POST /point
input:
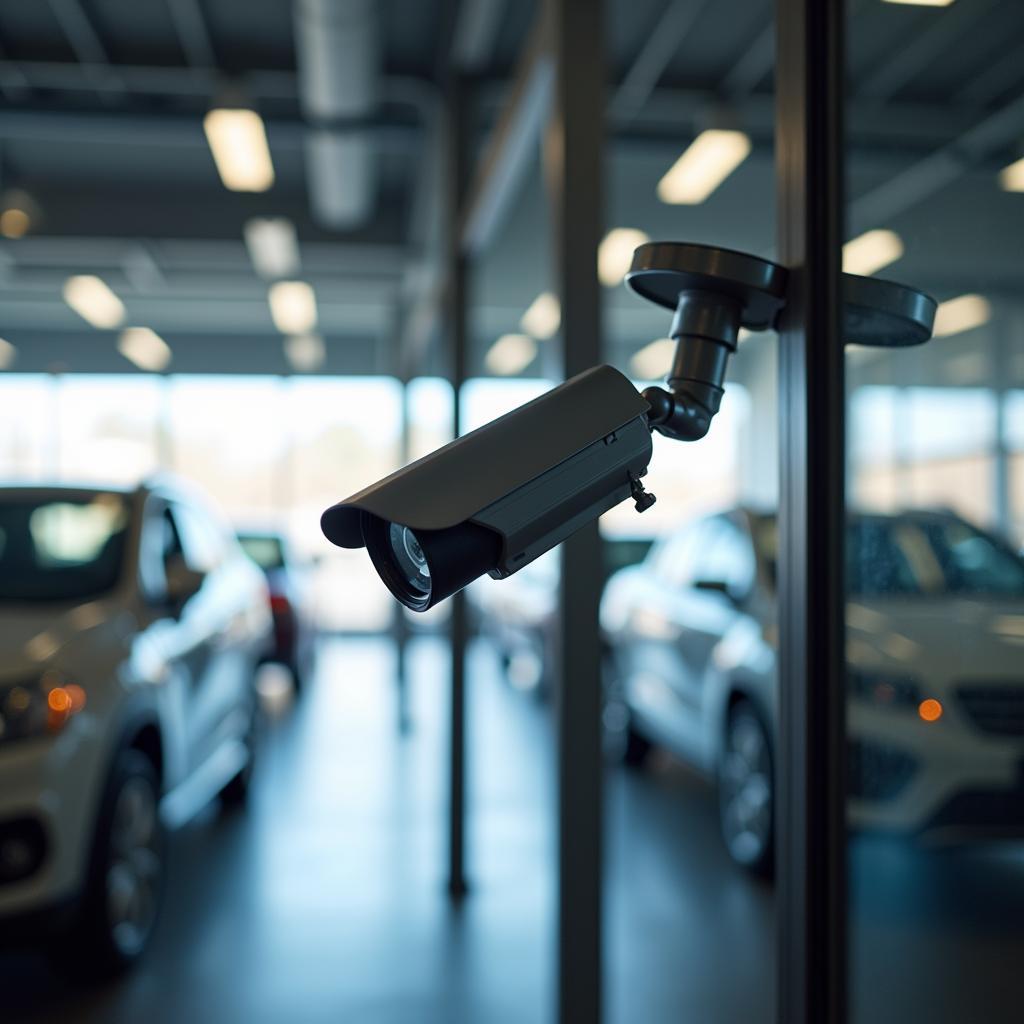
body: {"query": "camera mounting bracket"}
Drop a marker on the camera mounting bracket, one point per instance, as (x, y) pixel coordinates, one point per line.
(714, 292)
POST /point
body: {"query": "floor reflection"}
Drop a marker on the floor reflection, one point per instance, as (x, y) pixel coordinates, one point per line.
(325, 900)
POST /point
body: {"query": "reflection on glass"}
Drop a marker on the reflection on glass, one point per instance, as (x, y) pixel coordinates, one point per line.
(935, 614)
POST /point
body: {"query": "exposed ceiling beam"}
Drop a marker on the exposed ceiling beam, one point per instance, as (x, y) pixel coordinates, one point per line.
(85, 41)
(655, 56)
(200, 256)
(178, 130)
(899, 67)
(753, 64)
(476, 32)
(937, 170)
(512, 146)
(146, 80)
(192, 30)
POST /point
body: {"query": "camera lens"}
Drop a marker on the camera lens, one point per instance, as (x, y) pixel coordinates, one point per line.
(410, 558)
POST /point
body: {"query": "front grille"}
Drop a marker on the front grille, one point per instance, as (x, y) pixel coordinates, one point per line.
(877, 771)
(998, 710)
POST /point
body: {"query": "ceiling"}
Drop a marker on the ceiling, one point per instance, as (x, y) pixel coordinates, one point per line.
(101, 124)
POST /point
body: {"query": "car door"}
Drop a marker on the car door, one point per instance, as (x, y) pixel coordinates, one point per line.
(220, 700)
(654, 665)
(700, 589)
(722, 579)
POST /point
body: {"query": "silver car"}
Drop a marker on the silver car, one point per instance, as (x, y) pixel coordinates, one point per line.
(130, 626)
(935, 627)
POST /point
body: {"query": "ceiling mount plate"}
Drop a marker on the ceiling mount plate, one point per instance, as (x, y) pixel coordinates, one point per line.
(662, 270)
(884, 314)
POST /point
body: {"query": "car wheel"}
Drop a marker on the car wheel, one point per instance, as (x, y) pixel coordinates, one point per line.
(236, 792)
(126, 876)
(298, 677)
(636, 749)
(746, 790)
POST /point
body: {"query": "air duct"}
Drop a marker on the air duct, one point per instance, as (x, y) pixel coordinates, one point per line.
(338, 48)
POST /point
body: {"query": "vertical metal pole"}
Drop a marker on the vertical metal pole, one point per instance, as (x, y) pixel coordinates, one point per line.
(810, 822)
(455, 315)
(400, 625)
(573, 167)
(1001, 485)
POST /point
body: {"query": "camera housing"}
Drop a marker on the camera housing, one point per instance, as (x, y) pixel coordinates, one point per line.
(495, 499)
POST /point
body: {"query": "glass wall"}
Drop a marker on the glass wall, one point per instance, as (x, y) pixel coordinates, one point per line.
(935, 585)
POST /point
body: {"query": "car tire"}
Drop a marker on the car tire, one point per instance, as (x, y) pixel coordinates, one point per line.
(636, 749)
(122, 897)
(746, 790)
(236, 792)
(298, 677)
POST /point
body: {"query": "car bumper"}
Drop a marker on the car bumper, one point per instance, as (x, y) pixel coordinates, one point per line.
(55, 784)
(947, 780)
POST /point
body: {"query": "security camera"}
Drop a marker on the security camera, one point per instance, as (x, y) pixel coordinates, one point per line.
(499, 497)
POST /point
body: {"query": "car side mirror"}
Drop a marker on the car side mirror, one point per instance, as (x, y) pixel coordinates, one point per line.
(719, 587)
(183, 582)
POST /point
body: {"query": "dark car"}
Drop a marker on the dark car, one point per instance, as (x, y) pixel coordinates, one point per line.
(294, 639)
(935, 711)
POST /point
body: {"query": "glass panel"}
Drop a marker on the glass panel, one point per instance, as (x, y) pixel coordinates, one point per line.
(935, 583)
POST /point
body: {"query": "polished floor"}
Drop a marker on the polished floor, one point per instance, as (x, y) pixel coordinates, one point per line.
(325, 900)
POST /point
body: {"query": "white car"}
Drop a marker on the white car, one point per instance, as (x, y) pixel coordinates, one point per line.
(935, 672)
(130, 627)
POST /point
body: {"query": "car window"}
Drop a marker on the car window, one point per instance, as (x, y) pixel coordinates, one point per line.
(61, 548)
(265, 550)
(727, 556)
(201, 542)
(676, 562)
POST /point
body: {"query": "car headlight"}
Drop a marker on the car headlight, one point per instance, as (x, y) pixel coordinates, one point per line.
(40, 706)
(884, 689)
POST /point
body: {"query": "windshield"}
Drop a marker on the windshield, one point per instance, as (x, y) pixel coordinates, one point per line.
(928, 556)
(266, 552)
(60, 548)
(919, 555)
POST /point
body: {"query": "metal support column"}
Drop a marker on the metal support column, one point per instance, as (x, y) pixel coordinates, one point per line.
(1001, 484)
(810, 819)
(573, 169)
(455, 328)
(399, 623)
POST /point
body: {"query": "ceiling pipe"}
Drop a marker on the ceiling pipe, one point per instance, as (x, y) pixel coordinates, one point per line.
(339, 59)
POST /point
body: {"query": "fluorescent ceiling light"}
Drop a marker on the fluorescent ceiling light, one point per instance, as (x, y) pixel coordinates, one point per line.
(145, 348)
(8, 353)
(615, 254)
(1011, 178)
(272, 245)
(511, 354)
(92, 300)
(238, 142)
(293, 307)
(961, 314)
(871, 251)
(920, 3)
(543, 318)
(708, 161)
(305, 352)
(653, 360)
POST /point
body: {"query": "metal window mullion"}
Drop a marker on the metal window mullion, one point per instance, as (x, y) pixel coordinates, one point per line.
(810, 820)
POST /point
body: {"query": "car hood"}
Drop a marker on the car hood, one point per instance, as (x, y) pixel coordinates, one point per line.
(942, 638)
(32, 636)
